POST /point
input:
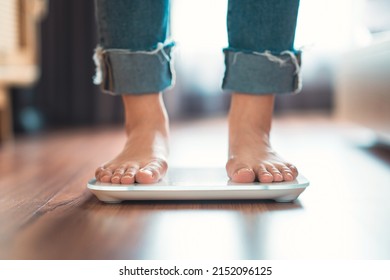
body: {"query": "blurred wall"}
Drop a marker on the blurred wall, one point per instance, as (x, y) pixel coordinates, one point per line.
(65, 95)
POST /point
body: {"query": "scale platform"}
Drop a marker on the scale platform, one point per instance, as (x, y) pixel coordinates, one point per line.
(198, 184)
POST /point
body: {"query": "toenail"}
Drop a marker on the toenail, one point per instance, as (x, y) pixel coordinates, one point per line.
(243, 170)
(147, 172)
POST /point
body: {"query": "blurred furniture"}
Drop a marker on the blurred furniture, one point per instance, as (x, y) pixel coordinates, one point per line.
(363, 87)
(18, 52)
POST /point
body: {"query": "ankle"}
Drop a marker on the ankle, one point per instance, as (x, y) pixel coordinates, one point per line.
(251, 113)
(146, 110)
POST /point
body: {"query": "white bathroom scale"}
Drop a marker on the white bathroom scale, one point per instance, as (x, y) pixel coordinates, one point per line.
(198, 184)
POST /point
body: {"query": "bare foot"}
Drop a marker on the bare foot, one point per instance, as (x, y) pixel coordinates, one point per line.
(251, 157)
(144, 157)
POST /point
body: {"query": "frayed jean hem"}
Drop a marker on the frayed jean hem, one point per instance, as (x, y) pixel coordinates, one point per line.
(121, 71)
(262, 72)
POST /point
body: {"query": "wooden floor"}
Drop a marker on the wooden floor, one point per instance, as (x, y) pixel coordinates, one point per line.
(46, 212)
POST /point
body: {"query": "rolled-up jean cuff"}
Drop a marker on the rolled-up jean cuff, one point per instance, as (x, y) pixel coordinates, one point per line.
(121, 71)
(262, 72)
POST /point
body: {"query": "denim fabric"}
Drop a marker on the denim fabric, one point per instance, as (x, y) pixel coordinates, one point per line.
(135, 55)
(261, 58)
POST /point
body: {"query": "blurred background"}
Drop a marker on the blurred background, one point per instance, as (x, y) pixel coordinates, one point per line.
(46, 65)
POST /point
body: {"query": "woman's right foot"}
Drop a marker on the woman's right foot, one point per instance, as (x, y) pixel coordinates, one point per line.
(144, 156)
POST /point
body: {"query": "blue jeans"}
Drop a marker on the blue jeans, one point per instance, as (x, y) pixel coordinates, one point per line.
(135, 51)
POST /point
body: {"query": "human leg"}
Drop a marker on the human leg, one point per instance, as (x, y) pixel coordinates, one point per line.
(133, 60)
(260, 62)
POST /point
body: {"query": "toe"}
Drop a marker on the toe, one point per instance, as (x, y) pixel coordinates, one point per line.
(117, 175)
(146, 176)
(286, 173)
(263, 175)
(128, 176)
(152, 172)
(98, 172)
(287, 176)
(276, 174)
(105, 175)
(243, 175)
(293, 169)
(239, 172)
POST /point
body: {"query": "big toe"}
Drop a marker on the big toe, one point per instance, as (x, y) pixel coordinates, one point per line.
(152, 172)
(243, 175)
(146, 176)
(105, 176)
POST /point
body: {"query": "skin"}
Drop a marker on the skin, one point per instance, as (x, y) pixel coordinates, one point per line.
(144, 156)
(251, 156)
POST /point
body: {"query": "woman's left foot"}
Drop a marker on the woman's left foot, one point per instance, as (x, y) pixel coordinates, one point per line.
(251, 157)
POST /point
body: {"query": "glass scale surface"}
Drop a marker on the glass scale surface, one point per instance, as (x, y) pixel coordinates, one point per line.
(198, 184)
